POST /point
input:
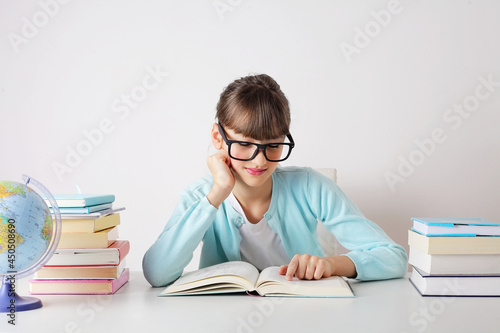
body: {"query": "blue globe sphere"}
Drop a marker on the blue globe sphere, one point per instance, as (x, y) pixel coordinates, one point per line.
(26, 228)
(29, 235)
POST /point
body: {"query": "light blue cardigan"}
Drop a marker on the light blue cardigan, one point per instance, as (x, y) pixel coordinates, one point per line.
(300, 196)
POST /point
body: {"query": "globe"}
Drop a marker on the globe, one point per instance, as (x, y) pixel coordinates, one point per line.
(29, 234)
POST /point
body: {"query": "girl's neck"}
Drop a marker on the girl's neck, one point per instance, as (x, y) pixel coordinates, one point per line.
(255, 201)
(247, 193)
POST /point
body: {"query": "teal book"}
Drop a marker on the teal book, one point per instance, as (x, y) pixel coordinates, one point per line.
(81, 200)
(465, 227)
(84, 210)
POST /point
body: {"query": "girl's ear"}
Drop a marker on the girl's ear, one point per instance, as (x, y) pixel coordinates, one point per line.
(216, 137)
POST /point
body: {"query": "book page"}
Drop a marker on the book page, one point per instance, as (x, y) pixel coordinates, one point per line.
(271, 282)
(270, 274)
(238, 268)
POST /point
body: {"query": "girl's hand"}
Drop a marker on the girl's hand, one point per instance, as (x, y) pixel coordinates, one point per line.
(220, 167)
(305, 266)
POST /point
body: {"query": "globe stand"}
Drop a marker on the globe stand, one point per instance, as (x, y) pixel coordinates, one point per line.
(11, 302)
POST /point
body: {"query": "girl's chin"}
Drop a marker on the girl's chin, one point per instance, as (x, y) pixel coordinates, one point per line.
(253, 180)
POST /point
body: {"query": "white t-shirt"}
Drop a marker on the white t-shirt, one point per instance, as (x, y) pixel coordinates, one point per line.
(260, 245)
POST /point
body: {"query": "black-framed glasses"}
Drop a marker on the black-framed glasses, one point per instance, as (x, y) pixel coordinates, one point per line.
(246, 151)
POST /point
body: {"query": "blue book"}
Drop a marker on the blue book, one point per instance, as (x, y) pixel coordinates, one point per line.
(84, 210)
(81, 200)
(466, 227)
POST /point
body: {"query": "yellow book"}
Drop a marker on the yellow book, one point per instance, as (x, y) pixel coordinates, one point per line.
(454, 244)
(101, 239)
(80, 272)
(90, 225)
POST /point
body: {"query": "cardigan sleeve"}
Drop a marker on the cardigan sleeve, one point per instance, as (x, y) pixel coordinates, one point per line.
(166, 259)
(374, 254)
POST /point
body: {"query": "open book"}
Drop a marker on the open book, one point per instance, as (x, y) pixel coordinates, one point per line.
(239, 276)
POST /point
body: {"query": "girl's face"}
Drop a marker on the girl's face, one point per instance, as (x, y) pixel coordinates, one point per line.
(256, 172)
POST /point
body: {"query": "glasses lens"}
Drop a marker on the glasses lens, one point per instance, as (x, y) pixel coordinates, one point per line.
(277, 152)
(242, 150)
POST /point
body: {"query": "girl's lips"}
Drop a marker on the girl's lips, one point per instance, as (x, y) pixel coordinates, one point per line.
(255, 172)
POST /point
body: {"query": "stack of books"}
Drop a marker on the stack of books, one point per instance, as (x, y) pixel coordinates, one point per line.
(455, 257)
(90, 259)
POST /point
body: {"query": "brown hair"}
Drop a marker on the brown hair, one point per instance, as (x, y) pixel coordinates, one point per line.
(255, 107)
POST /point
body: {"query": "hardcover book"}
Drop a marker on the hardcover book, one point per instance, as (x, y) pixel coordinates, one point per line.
(455, 227)
(457, 264)
(454, 245)
(80, 272)
(112, 255)
(474, 285)
(78, 286)
(94, 215)
(81, 200)
(239, 276)
(85, 210)
(90, 225)
(100, 239)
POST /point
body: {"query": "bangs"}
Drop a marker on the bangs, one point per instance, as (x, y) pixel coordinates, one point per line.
(258, 113)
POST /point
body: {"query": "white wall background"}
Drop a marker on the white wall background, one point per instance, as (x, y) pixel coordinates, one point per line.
(66, 68)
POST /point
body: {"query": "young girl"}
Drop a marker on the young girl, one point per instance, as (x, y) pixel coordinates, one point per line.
(254, 210)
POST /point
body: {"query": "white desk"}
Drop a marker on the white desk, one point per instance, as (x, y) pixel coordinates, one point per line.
(380, 306)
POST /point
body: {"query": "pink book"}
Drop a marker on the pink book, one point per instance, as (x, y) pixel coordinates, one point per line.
(78, 286)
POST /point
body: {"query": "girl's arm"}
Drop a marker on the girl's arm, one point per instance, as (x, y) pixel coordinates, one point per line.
(165, 260)
(374, 255)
